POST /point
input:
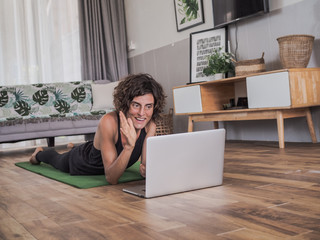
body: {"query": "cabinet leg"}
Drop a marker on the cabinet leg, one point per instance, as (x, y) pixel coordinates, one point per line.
(280, 126)
(190, 124)
(310, 126)
(216, 124)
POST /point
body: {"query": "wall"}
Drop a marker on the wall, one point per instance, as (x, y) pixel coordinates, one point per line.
(151, 24)
(164, 53)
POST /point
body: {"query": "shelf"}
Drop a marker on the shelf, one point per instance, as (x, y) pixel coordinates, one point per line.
(280, 94)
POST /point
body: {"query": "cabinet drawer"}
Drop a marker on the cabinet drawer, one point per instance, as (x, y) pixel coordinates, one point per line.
(187, 99)
(269, 90)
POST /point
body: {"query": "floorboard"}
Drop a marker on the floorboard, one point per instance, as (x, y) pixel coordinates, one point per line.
(267, 193)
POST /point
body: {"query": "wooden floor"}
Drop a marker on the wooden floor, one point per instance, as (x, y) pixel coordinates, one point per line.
(268, 193)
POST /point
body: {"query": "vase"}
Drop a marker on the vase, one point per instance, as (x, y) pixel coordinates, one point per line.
(218, 76)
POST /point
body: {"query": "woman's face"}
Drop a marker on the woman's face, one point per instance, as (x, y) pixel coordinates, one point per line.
(141, 110)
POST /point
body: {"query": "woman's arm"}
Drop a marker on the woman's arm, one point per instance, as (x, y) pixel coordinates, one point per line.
(151, 131)
(105, 140)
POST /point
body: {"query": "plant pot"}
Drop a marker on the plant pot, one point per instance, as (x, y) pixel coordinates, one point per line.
(218, 76)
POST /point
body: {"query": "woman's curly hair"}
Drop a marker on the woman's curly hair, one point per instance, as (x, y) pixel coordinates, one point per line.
(135, 85)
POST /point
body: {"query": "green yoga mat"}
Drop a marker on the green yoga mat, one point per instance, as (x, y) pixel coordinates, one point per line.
(131, 174)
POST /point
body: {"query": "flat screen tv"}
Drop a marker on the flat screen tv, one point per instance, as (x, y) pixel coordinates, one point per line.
(229, 11)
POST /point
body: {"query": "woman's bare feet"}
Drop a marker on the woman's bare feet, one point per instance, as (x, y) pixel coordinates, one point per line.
(70, 146)
(33, 159)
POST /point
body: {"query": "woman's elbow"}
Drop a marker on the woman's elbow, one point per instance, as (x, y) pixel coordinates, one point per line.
(111, 180)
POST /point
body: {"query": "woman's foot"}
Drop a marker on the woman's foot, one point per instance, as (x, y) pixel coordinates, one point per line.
(33, 159)
(70, 146)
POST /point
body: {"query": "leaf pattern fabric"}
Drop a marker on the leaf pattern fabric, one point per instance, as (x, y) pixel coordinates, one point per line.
(3, 98)
(41, 97)
(45, 100)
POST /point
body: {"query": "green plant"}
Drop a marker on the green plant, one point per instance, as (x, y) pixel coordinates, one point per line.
(219, 62)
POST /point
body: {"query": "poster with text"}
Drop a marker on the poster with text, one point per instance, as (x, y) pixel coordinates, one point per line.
(202, 45)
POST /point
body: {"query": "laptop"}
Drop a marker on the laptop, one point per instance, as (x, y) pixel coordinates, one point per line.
(182, 162)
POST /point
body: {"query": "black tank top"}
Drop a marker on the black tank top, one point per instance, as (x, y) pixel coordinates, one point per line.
(86, 159)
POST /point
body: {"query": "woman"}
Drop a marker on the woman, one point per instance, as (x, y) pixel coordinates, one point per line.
(121, 135)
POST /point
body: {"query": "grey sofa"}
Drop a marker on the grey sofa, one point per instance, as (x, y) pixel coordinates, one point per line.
(48, 110)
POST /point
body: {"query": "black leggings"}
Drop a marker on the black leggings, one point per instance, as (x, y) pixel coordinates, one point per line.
(55, 159)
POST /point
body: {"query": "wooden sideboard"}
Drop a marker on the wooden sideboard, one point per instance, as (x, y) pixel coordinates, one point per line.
(281, 94)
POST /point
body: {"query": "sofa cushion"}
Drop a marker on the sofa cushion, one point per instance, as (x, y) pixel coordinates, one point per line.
(102, 96)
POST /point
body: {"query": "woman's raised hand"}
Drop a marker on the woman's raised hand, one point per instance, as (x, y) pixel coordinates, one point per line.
(128, 130)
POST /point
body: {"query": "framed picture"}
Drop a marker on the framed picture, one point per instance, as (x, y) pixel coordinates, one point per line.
(202, 45)
(188, 13)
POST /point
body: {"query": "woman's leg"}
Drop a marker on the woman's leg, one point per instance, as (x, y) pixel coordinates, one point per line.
(55, 159)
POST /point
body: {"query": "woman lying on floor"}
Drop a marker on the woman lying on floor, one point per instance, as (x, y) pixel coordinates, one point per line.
(121, 135)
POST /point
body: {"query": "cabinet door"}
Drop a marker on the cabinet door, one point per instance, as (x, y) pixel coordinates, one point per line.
(187, 99)
(269, 90)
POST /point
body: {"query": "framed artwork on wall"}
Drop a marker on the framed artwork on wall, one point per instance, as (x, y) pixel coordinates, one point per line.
(202, 44)
(188, 13)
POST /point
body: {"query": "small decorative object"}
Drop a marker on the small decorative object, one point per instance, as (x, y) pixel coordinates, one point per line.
(251, 66)
(189, 13)
(241, 104)
(219, 63)
(229, 105)
(295, 50)
(202, 45)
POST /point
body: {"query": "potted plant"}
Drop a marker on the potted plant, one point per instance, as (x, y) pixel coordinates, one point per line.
(219, 63)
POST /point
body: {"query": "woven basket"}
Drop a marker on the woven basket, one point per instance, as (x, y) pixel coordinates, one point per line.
(295, 50)
(165, 124)
(251, 66)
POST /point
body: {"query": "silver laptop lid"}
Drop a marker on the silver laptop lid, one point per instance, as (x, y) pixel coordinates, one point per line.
(184, 162)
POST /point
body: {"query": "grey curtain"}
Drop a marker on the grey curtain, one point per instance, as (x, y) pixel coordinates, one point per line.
(103, 39)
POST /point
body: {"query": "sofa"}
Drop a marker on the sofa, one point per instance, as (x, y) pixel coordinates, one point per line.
(49, 110)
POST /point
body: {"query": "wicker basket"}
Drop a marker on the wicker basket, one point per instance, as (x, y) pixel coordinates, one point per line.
(247, 67)
(165, 124)
(295, 50)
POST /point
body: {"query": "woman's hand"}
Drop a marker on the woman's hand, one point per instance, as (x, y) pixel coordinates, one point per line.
(143, 170)
(128, 130)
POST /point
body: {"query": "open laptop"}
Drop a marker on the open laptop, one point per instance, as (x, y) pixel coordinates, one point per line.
(182, 162)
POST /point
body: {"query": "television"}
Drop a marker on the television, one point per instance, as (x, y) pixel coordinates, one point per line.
(226, 12)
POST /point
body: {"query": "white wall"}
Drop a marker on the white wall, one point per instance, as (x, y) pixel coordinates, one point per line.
(277, 4)
(151, 24)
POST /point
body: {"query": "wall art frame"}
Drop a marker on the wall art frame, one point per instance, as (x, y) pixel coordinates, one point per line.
(188, 13)
(202, 44)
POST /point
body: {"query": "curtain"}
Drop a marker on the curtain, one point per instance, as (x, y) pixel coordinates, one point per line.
(39, 41)
(103, 39)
